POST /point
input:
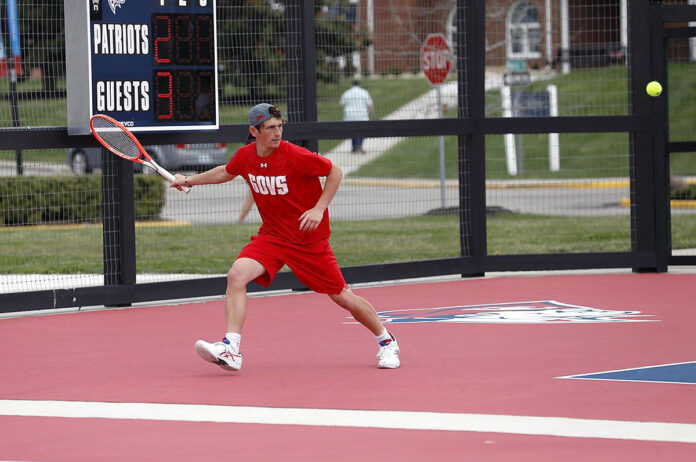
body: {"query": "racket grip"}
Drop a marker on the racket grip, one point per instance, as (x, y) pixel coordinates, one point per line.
(169, 177)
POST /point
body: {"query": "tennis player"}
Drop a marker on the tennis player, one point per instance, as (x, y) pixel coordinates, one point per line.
(284, 179)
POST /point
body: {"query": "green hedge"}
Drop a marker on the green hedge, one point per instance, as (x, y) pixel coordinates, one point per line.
(687, 192)
(71, 199)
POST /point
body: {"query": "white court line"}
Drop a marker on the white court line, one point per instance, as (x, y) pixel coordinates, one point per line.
(404, 420)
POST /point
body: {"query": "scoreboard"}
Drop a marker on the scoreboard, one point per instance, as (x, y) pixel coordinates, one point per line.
(150, 64)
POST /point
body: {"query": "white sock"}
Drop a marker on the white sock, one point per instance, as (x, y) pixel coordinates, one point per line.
(383, 336)
(235, 339)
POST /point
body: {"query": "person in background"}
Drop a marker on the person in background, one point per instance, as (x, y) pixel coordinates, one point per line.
(248, 202)
(357, 105)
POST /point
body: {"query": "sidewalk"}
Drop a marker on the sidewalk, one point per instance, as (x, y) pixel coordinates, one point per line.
(423, 107)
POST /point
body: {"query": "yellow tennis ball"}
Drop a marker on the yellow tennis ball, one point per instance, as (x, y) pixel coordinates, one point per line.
(654, 88)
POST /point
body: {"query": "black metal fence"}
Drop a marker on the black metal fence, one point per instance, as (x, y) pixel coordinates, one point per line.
(478, 139)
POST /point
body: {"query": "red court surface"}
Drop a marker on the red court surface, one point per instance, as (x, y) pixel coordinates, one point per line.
(466, 390)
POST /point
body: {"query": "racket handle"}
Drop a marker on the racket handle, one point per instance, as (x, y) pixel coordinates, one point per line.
(169, 177)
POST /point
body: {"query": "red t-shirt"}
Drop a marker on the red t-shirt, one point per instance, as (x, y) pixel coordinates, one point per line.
(285, 184)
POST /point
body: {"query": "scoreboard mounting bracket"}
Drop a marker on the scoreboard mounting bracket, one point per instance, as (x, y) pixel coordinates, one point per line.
(150, 64)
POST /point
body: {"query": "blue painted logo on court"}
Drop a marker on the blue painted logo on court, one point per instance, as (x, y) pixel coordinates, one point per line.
(537, 312)
(662, 373)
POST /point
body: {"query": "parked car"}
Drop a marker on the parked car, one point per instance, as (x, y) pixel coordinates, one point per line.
(197, 157)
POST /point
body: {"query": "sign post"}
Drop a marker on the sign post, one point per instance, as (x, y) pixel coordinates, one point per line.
(436, 64)
(14, 70)
(529, 104)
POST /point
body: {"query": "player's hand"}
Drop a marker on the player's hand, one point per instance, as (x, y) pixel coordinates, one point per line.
(179, 181)
(309, 221)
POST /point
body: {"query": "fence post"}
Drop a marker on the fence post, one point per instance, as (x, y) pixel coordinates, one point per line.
(661, 172)
(300, 55)
(471, 64)
(643, 212)
(118, 219)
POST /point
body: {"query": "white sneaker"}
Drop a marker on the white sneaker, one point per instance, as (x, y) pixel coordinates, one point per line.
(220, 353)
(389, 355)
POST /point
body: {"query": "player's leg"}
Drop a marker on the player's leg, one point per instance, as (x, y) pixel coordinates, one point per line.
(226, 352)
(360, 309)
(365, 314)
(316, 267)
(243, 271)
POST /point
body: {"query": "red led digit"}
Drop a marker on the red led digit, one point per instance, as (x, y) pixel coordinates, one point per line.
(205, 99)
(183, 36)
(204, 39)
(184, 95)
(164, 106)
(163, 36)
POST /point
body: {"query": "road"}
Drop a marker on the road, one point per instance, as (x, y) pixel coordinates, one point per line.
(365, 199)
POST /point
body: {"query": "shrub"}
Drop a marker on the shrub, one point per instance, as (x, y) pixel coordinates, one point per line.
(687, 192)
(73, 199)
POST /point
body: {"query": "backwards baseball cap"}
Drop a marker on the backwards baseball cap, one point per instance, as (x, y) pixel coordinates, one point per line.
(259, 114)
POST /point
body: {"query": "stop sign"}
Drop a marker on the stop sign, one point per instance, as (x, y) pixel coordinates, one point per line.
(436, 58)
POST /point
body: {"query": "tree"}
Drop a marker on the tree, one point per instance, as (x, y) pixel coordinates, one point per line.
(251, 43)
(42, 35)
(337, 35)
(250, 47)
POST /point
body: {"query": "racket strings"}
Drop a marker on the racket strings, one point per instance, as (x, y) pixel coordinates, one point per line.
(115, 138)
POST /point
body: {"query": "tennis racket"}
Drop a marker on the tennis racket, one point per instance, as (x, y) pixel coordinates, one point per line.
(119, 140)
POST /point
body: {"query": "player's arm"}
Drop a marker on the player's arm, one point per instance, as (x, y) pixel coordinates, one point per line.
(312, 217)
(248, 202)
(213, 176)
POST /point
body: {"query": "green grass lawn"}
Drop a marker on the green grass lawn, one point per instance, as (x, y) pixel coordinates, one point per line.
(590, 92)
(582, 156)
(168, 250)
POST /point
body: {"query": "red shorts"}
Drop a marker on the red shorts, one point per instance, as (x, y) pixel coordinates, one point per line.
(314, 264)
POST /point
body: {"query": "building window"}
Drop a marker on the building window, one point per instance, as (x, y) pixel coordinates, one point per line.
(451, 27)
(523, 31)
(344, 10)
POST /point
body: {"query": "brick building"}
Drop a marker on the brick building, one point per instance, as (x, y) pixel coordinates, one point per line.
(529, 30)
